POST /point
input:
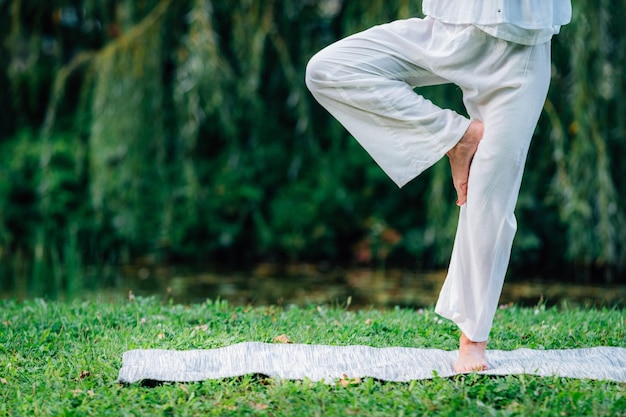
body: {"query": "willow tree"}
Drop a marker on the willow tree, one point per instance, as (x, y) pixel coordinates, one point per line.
(127, 139)
(120, 111)
(588, 130)
(184, 128)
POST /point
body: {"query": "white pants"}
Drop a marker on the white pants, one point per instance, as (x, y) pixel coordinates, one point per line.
(366, 81)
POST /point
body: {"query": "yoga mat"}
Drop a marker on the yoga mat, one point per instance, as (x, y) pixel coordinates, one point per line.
(331, 363)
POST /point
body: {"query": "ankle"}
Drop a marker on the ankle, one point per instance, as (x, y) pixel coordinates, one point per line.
(466, 341)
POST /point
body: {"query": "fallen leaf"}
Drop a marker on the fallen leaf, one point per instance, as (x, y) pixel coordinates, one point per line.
(283, 338)
(160, 336)
(260, 406)
(368, 321)
(346, 381)
(91, 393)
(3, 381)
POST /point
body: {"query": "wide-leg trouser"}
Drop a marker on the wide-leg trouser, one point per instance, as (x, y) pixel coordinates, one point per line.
(366, 81)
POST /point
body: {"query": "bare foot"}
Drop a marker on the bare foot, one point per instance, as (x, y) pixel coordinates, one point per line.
(461, 158)
(472, 356)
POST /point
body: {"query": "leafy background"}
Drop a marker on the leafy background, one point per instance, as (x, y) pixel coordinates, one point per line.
(182, 132)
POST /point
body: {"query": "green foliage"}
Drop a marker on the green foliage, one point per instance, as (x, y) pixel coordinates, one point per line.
(183, 131)
(127, 141)
(64, 359)
(44, 202)
(587, 138)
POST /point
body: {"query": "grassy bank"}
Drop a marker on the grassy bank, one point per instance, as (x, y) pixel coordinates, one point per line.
(63, 359)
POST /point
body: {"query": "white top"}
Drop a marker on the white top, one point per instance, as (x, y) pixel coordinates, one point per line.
(529, 22)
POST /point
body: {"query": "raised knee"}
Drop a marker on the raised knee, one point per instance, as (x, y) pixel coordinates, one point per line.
(316, 73)
(312, 73)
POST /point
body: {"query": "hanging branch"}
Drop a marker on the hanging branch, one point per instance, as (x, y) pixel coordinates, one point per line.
(88, 57)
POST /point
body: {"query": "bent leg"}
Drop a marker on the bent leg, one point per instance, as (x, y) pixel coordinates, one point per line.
(366, 82)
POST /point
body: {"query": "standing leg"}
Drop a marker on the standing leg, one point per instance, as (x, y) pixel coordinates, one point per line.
(509, 101)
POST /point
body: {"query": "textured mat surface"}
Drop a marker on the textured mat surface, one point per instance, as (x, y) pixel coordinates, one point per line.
(330, 363)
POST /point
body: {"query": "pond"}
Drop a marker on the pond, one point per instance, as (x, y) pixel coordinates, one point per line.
(361, 287)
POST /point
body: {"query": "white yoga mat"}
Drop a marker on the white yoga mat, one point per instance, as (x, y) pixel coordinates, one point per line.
(331, 363)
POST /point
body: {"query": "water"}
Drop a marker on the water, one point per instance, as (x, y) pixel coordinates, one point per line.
(361, 287)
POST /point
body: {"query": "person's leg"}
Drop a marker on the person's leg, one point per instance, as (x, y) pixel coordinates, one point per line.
(366, 82)
(507, 91)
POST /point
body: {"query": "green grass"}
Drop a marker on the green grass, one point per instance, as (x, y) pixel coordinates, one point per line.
(59, 358)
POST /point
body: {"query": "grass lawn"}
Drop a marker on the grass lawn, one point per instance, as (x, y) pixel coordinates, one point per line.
(59, 358)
